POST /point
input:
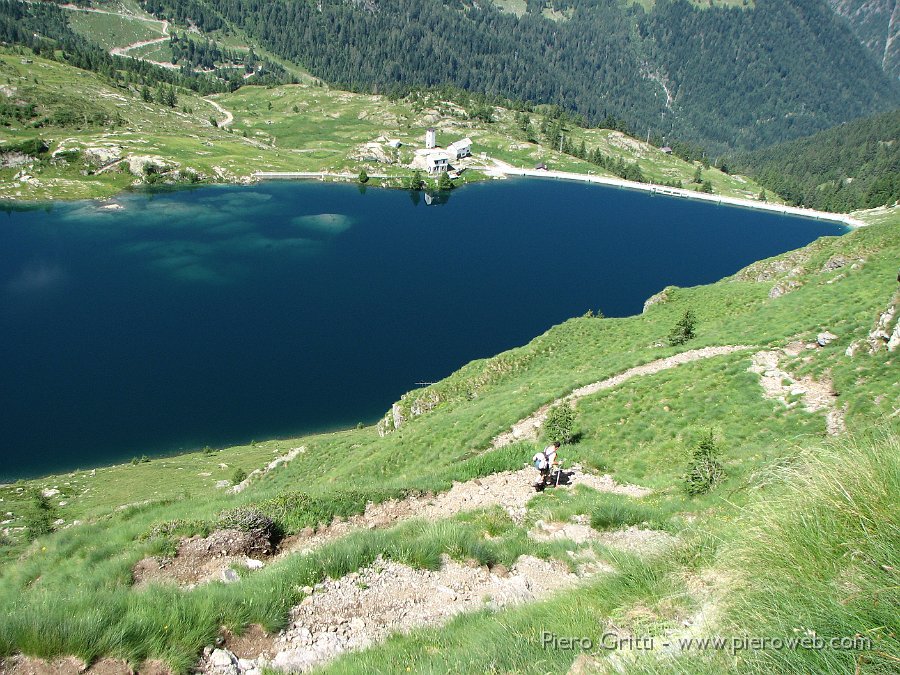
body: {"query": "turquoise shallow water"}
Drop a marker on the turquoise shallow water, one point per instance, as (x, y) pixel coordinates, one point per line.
(220, 314)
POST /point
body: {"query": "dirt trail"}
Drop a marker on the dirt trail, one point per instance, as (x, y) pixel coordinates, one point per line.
(123, 51)
(203, 560)
(510, 490)
(527, 429)
(229, 118)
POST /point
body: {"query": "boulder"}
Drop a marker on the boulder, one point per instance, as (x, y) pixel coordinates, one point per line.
(101, 156)
(823, 339)
(221, 658)
(783, 288)
(835, 262)
(894, 340)
(137, 164)
(657, 299)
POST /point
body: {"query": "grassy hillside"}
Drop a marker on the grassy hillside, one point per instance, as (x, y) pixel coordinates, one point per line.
(301, 127)
(793, 504)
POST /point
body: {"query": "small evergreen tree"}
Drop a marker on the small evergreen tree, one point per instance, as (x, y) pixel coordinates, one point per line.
(39, 516)
(706, 187)
(363, 177)
(705, 469)
(415, 181)
(444, 182)
(683, 330)
(559, 423)
(698, 175)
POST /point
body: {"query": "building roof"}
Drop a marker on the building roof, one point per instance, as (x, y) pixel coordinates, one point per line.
(460, 143)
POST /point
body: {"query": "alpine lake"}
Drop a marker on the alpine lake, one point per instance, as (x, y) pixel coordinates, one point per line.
(171, 320)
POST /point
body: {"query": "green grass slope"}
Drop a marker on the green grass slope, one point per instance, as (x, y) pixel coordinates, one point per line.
(800, 535)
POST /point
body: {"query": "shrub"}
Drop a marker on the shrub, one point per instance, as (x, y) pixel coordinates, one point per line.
(238, 476)
(683, 330)
(30, 146)
(39, 515)
(363, 176)
(247, 519)
(559, 423)
(179, 527)
(705, 469)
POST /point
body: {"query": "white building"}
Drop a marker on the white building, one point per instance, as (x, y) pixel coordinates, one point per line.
(430, 139)
(460, 149)
(434, 161)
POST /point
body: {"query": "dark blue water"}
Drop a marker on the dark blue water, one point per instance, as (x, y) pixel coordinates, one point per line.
(223, 314)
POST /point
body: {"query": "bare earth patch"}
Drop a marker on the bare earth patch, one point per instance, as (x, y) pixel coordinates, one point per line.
(365, 607)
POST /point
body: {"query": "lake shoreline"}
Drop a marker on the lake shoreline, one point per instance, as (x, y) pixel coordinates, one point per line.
(504, 170)
(500, 171)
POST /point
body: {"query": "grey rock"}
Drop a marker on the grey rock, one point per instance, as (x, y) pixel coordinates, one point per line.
(229, 576)
(221, 658)
(656, 299)
(894, 340)
(823, 339)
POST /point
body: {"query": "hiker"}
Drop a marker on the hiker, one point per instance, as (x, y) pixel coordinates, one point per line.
(545, 460)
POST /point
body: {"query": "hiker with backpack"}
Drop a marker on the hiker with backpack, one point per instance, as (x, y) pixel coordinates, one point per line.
(544, 461)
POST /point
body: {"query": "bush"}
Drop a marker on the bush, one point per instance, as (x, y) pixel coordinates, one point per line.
(247, 519)
(39, 515)
(705, 469)
(683, 330)
(559, 423)
(30, 146)
(238, 476)
(363, 177)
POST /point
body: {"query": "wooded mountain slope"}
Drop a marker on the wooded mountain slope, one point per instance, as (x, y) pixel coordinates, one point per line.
(853, 166)
(877, 25)
(722, 76)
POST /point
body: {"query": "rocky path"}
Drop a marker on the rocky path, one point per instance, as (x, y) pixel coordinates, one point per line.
(511, 490)
(365, 607)
(779, 384)
(528, 428)
(201, 561)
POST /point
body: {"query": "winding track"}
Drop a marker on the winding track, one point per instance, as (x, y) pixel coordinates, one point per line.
(528, 428)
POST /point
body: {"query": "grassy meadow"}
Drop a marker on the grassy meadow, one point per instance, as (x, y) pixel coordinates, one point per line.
(800, 535)
(113, 30)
